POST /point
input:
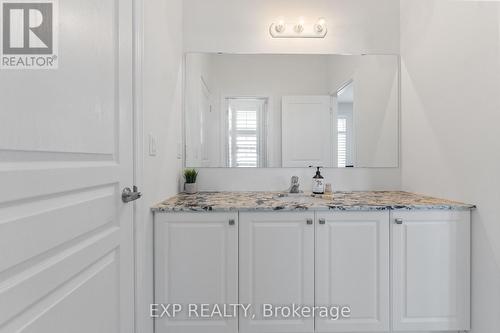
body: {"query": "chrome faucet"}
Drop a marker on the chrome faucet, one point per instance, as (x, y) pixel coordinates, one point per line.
(294, 186)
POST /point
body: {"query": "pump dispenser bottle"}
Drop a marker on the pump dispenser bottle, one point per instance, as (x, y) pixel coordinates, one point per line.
(318, 184)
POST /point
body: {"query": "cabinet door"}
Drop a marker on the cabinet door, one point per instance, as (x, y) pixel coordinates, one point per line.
(196, 263)
(431, 270)
(352, 269)
(277, 268)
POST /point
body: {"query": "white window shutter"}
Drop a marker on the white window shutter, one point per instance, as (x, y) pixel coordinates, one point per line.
(246, 127)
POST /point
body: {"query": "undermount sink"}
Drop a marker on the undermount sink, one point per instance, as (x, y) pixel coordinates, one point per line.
(298, 197)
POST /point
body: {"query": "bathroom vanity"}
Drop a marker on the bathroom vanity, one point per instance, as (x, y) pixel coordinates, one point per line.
(400, 261)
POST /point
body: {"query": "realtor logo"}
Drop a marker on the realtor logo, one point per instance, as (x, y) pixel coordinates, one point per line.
(29, 34)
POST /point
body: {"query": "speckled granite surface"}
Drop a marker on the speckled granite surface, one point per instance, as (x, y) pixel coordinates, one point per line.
(270, 201)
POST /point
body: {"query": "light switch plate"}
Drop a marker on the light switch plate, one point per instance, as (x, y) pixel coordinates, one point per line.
(152, 145)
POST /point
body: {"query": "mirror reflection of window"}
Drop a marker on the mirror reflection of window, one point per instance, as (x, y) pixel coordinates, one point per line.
(342, 142)
(345, 127)
(246, 144)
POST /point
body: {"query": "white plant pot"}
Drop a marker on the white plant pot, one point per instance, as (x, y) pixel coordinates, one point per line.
(190, 188)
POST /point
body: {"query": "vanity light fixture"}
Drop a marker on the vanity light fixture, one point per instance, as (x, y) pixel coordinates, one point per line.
(301, 29)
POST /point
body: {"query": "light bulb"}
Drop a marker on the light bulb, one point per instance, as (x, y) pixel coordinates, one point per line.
(280, 25)
(300, 26)
(320, 25)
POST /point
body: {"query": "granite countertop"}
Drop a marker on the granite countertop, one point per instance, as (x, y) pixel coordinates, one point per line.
(270, 201)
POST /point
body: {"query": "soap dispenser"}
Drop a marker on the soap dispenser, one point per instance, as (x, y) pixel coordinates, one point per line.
(318, 184)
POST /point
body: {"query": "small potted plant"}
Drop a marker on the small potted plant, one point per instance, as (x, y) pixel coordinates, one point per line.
(190, 176)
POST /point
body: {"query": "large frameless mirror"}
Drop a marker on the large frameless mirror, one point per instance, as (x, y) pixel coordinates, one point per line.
(271, 110)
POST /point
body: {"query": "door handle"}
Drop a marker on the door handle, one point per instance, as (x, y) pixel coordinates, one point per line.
(231, 222)
(309, 221)
(129, 195)
(398, 221)
(322, 221)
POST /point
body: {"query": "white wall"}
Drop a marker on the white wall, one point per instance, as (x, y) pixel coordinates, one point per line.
(355, 26)
(450, 125)
(162, 112)
(242, 26)
(278, 179)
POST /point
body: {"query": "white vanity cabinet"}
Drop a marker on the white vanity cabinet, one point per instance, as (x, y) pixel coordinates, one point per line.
(276, 267)
(352, 268)
(196, 262)
(397, 270)
(430, 270)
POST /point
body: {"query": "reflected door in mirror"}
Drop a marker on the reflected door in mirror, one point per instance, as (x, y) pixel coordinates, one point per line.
(307, 126)
(246, 128)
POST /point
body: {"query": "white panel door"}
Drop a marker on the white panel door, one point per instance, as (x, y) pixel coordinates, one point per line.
(307, 131)
(196, 262)
(431, 270)
(277, 268)
(352, 269)
(66, 251)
